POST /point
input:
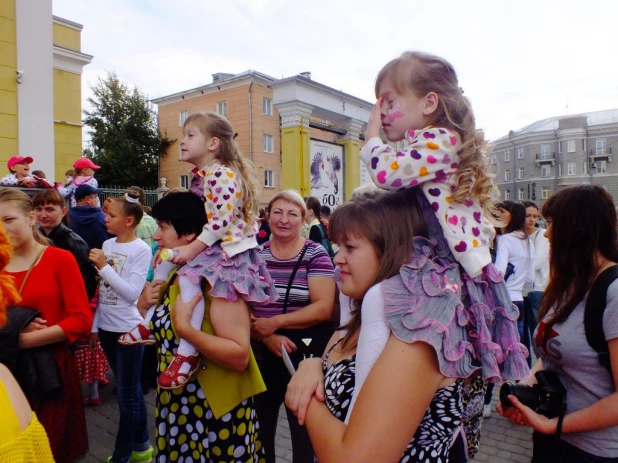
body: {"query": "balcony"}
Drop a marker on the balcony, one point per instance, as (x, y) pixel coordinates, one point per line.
(545, 158)
(601, 153)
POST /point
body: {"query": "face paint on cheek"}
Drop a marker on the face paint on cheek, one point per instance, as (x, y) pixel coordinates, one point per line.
(393, 113)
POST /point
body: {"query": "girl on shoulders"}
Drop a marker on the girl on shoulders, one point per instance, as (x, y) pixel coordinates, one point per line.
(225, 254)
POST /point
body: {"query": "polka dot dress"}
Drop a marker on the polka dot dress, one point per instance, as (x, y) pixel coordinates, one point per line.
(436, 432)
(186, 430)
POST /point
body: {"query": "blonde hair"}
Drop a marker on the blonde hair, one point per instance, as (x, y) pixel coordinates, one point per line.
(24, 203)
(290, 196)
(422, 73)
(8, 294)
(214, 125)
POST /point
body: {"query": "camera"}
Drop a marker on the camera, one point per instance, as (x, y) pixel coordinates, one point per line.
(547, 397)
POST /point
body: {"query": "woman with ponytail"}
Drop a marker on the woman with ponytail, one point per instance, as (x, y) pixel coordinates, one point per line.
(49, 281)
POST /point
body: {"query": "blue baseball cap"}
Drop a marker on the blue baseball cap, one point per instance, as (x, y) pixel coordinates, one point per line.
(86, 190)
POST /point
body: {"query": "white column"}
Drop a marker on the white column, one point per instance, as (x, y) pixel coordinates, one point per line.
(35, 92)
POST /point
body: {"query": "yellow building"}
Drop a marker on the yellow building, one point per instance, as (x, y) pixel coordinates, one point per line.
(40, 86)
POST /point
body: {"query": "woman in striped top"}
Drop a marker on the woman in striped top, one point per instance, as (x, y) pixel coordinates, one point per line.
(298, 320)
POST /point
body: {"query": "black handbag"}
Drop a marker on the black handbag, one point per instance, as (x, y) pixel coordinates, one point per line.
(311, 341)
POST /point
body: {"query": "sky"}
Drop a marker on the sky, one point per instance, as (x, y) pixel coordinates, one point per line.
(518, 61)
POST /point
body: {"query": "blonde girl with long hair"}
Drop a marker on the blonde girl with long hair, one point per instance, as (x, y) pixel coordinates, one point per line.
(225, 254)
(421, 105)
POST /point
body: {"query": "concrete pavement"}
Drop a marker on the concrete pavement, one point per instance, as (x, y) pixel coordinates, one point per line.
(501, 441)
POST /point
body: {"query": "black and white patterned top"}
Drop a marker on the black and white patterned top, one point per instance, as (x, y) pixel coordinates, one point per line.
(438, 428)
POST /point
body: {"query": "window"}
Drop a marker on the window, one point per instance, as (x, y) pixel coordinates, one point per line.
(601, 167)
(267, 141)
(559, 169)
(507, 156)
(583, 144)
(520, 173)
(545, 192)
(184, 181)
(182, 117)
(600, 147)
(545, 152)
(222, 108)
(559, 147)
(584, 167)
(571, 146)
(507, 175)
(520, 152)
(269, 179)
(267, 106)
(571, 168)
(493, 159)
(507, 195)
(520, 194)
(545, 171)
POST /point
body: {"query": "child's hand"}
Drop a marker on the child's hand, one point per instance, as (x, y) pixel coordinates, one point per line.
(97, 257)
(27, 181)
(375, 120)
(187, 252)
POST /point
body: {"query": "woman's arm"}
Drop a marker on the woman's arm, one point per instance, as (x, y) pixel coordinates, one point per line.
(602, 414)
(50, 335)
(322, 297)
(77, 320)
(231, 345)
(390, 407)
(17, 399)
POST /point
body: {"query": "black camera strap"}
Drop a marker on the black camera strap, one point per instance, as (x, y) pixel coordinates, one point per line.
(560, 421)
(292, 276)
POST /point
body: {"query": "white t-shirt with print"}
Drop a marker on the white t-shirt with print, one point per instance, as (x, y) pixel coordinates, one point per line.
(122, 283)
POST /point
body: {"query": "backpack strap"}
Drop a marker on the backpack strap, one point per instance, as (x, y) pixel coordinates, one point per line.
(593, 315)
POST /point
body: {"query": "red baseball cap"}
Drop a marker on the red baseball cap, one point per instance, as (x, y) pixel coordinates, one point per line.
(84, 163)
(18, 160)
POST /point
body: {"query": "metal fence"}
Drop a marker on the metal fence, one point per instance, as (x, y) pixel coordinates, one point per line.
(115, 190)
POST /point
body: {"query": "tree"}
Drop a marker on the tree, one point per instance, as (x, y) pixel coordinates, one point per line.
(126, 141)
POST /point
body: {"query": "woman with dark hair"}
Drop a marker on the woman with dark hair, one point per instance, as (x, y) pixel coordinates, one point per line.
(212, 416)
(515, 248)
(317, 230)
(583, 249)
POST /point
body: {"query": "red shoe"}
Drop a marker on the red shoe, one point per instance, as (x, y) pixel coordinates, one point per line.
(138, 335)
(90, 402)
(103, 382)
(171, 378)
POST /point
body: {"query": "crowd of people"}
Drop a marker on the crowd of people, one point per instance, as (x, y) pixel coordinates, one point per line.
(382, 325)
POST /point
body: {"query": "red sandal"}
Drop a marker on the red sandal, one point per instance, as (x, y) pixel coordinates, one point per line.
(171, 378)
(138, 335)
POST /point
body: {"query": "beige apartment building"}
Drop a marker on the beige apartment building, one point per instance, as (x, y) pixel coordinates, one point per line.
(312, 115)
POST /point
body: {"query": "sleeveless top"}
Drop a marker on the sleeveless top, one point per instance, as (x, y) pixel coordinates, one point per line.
(435, 433)
(18, 446)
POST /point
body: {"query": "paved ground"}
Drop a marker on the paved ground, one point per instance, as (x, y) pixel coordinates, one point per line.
(501, 441)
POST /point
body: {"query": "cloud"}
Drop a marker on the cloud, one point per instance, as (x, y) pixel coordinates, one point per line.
(517, 61)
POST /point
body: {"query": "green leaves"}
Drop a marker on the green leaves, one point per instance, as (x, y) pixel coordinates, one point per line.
(126, 142)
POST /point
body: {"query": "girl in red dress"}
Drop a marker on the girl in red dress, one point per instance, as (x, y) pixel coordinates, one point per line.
(55, 288)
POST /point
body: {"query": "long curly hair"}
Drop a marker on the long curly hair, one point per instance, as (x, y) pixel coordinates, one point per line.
(422, 73)
(214, 125)
(8, 293)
